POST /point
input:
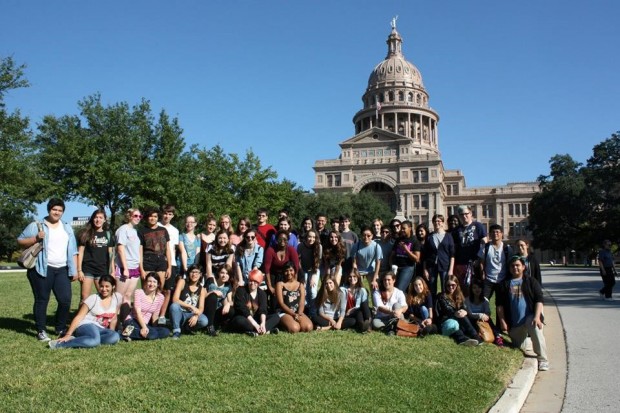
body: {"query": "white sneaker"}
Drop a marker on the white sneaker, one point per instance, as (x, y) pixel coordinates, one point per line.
(161, 321)
(543, 365)
(42, 336)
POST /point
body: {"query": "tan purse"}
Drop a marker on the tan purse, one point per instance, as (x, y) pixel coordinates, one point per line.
(485, 331)
(407, 329)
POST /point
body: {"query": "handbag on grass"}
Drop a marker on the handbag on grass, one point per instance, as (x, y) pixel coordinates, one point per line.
(485, 331)
(28, 258)
(406, 329)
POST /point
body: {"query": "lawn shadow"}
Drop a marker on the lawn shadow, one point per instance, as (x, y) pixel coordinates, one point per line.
(23, 325)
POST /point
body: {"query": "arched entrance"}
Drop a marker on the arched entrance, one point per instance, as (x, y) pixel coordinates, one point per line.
(383, 192)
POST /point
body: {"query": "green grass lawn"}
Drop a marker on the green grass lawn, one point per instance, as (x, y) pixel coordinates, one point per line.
(335, 371)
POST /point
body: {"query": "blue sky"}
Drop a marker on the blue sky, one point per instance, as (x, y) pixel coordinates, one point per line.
(514, 83)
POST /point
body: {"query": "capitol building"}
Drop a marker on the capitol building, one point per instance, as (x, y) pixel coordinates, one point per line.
(395, 154)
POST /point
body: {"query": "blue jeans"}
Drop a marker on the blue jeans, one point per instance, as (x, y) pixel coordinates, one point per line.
(404, 277)
(58, 282)
(155, 332)
(90, 335)
(179, 317)
(435, 275)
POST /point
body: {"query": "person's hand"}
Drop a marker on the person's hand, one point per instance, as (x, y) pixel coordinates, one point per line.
(484, 317)
(40, 236)
(218, 293)
(272, 290)
(196, 311)
(461, 313)
(80, 276)
(225, 309)
(427, 276)
(375, 285)
(192, 320)
(168, 273)
(144, 331)
(536, 322)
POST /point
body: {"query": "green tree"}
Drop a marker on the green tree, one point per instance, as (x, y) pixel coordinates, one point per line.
(561, 212)
(602, 174)
(113, 156)
(19, 182)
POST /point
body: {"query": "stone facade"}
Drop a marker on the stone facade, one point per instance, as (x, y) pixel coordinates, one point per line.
(395, 154)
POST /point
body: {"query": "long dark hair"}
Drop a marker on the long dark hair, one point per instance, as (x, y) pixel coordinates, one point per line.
(333, 295)
(87, 234)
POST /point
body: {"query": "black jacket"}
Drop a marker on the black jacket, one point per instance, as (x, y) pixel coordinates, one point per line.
(532, 292)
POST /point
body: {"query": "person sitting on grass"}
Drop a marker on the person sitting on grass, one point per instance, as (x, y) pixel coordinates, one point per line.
(356, 298)
(478, 309)
(453, 314)
(520, 310)
(140, 324)
(291, 296)
(219, 300)
(188, 303)
(420, 306)
(332, 305)
(95, 322)
(389, 302)
(250, 308)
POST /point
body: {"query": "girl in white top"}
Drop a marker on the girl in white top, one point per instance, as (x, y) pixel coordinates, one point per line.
(95, 322)
(389, 302)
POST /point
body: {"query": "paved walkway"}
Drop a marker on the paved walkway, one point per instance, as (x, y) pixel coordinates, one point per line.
(591, 327)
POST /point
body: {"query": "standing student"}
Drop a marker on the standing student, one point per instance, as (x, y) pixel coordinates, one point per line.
(438, 255)
(155, 251)
(264, 230)
(189, 246)
(276, 260)
(128, 258)
(349, 238)
(494, 260)
(243, 225)
(95, 322)
(306, 225)
(310, 253)
(56, 266)
(321, 227)
(220, 254)
(95, 252)
(367, 256)
(173, 245)
(532, 266)
(207, 237)
(377, 224)
(333, 257)
(470, 237)
(248, 256)
(386, 243)
(405, 255)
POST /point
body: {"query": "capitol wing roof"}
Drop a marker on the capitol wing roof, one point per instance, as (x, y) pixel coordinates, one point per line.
(374, 136)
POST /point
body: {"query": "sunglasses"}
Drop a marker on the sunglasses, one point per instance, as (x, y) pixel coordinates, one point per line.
(136, 216)
(250, 237)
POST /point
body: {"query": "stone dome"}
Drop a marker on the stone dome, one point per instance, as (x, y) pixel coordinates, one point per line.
(395, 70)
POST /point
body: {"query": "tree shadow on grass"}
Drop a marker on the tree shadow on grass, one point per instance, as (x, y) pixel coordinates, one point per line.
(24, 325)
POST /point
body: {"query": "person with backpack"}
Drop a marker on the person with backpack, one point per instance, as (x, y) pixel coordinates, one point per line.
(494, 260)
(367, 256)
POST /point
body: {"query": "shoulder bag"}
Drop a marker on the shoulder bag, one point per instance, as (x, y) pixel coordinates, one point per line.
(28, 258)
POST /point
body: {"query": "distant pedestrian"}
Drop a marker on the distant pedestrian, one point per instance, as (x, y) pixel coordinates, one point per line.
(606, 267)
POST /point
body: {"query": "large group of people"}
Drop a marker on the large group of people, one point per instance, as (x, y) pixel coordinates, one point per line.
(260, 279)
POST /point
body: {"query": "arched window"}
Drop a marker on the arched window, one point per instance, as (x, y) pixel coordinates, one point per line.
(410, 97)
(390, 96)
(401, 96)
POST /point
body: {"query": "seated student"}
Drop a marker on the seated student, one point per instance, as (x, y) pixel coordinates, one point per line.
(356, 298)
(219, 301)
(452, 314)
(95, 322)
(520, 310)
(250, 308)
(420, 306)
(188, 303)
(478, 308)
(140, 324)
(331, 304)
(291, 296)
(389, 301)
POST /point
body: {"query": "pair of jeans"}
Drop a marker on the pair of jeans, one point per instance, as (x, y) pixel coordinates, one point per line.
(58, 282)
(90, 335)
(434, 275)
(311, 292)
(155, 332)
(179, 317)
(404, 277)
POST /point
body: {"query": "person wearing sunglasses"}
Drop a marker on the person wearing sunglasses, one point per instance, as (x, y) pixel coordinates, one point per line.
(248, 256)
(452, 314)
(128, 259)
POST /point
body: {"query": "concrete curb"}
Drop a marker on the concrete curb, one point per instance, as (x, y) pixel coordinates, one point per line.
(517, 391)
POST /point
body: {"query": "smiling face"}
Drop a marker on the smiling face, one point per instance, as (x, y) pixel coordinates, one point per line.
(284, 225)
(151, 284)
(476, 290)
(388, 282)
(250, 238)
(223, 275)
(289, 274)
(225, 223)
(377, 226)
(242, 226)
(105, 289)
(307, 225)
(194, 276)
(321, 222)
(329, 285)
(418, 286)
(136, 216)
(222, 240)
(282, 240)
(190, 223)
(310, 237)
(333, 238)
(98, 221)
(211, 225)
(366, 237)
(421, 233)
(521, 248)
